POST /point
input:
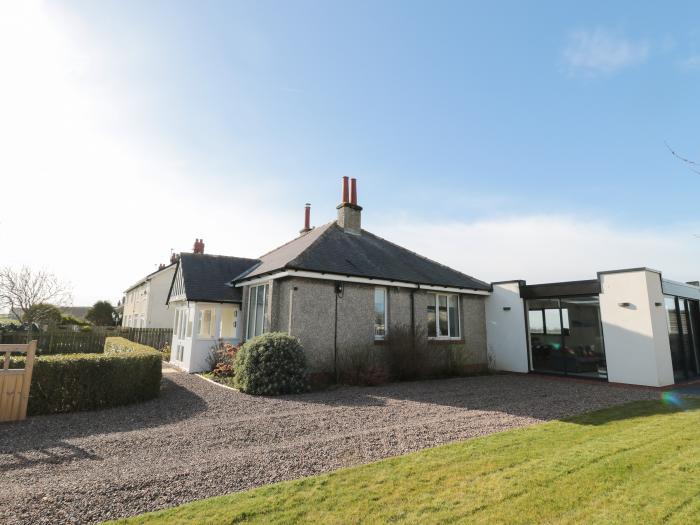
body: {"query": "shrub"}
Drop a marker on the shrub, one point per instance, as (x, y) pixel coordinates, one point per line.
(271, 364)
(222, 359)
(165, 352)
(362, 365)
(73, 382)
(121, 345)
(406, 355)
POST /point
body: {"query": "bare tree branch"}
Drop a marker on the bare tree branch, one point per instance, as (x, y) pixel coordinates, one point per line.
(23, 288)
(692, 165)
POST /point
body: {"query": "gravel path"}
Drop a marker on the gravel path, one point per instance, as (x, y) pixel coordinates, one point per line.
(200, 440)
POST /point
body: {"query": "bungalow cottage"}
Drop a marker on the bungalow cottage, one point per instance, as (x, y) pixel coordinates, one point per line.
(339, 287)
(335, 287)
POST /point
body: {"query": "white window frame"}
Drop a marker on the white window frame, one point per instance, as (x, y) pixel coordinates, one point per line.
(378, 337)
(252, 308)
(438, 335)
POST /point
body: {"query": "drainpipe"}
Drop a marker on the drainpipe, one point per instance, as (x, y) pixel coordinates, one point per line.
(338, 293)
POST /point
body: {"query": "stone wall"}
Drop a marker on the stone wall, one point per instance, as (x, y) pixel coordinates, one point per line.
(312, 303)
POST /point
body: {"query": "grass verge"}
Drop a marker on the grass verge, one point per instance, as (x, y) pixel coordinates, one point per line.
(637, 463)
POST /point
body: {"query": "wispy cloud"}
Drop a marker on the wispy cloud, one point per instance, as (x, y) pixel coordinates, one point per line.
(546, 248)
(601, 52)
(690, 63)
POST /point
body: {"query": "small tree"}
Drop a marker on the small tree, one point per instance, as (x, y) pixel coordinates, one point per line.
(101, 314)
(42, 314)
(23, 288)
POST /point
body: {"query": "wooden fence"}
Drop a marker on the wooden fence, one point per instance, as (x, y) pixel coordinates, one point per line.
(92, 342)
(15, 383)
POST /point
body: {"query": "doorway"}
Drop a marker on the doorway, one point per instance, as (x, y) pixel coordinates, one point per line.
(566, 336)
(683, 316)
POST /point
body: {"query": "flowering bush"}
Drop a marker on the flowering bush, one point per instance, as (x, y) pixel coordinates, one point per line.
(271, 364)
(222, 359)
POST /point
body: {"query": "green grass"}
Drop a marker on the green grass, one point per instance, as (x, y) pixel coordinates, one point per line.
(638, 463)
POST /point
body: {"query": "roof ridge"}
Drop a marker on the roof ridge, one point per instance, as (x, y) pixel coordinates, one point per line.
(296, 239)
(217, 255)
(424, 257)
(326, 227)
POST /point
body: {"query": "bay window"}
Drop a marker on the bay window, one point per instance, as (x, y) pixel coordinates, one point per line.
(257, 302)
(443, 316)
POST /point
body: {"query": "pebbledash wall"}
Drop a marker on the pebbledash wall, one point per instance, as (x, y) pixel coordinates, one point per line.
(636, 321)
(306, 308)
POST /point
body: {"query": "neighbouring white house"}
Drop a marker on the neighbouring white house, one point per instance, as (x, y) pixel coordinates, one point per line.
(206, 309)
(145, 301)
(627, 326)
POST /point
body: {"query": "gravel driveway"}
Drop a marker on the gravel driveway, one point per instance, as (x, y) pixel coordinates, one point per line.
(200, 440)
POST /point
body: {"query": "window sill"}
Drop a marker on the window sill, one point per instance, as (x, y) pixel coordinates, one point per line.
(445, 340)
(380, 341)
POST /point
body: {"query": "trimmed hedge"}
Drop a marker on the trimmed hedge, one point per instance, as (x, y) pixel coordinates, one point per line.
(126, 373)
(271, 364)
(121, 345)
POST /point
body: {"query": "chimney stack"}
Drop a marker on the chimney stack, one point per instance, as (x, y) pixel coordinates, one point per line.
(307, 219)
(349, 213)
(198, 246)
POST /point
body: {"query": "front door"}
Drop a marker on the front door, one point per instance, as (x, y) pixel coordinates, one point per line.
(180, 333)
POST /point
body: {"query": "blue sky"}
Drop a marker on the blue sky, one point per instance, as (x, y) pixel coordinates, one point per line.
(488, 136)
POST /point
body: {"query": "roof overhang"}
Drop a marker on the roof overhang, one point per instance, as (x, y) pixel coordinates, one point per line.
(564, 289)
(361, 280)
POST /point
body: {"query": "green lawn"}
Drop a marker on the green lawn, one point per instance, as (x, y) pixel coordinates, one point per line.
(638, 463)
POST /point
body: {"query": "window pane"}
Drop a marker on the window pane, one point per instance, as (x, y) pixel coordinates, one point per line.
(265, 296)
(251, 312)
(189, 323)
(552, 321)
(565, 320)
(442, 316)
(379, 313)
(536, 321)
(259, 310)
(227, 323)
(583, 353)
(431, 315)
(453, 311)
(205, 323)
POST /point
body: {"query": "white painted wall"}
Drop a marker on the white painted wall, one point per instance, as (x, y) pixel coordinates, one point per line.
(144, 305)
(159, 314)
(506, 332)
(637, 348)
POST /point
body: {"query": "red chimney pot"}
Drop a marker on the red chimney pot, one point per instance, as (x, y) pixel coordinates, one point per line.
(353, 191)
(346, 197)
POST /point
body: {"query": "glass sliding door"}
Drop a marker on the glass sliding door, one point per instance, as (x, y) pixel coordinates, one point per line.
(683, 316)
(694, 329)
(583, 338)
(566, 336)
(545, 322)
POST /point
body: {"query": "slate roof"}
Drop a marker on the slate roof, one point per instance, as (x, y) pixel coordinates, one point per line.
(206, 277)
(329, 249)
